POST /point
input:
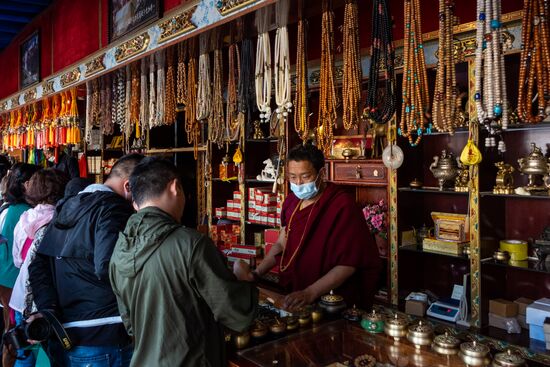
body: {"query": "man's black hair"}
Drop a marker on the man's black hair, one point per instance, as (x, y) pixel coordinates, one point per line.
(125, 165)
(307, 152)
(150, 178)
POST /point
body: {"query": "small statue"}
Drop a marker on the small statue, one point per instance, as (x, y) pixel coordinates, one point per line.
(378, 132)
(504, 180)
(268, 173)
(462, 180)
(258, 133)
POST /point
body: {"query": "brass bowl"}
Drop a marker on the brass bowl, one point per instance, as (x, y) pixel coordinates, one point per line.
(316, 315)
(396, 327)
(501, 255)
(352, 314)
(508, 359)
(415, 184)
(304, 318)
(292, 323)
(277, 327)
(241, 340)
(420, 334)
(347, 153)
(259, 330)
(446, 344)
(474, 354)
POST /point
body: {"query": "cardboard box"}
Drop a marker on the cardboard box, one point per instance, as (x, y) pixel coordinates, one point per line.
(522, 305)
(500, 322)
(536, 314)
(522, 319)
(502, 307)
(415, 307)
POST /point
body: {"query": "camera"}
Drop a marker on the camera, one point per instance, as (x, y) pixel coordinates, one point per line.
(39, 329)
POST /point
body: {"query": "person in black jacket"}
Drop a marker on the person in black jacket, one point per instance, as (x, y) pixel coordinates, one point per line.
(65, 162)
(70, 277)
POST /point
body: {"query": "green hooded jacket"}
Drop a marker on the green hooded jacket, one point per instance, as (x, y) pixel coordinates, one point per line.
(175, 292)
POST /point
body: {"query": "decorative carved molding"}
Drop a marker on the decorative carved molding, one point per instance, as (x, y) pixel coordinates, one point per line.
(466, 47)
(95, 65)
(70, 77)
(177, 25)
(229, 6)
(132, 47)
(47, 87)
(4, 106)
(15, 102)
(315, 77)
(29, 95)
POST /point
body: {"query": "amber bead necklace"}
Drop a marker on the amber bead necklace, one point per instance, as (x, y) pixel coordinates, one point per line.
(351, 84)
(192, 125)
(301, 110)
(144, 96)
(152, 92)
(181, 87)
(444, 105)
(133, 122)
(170, 97)
(380, 105)
(534, 71)
(416, 99)
(327, 93)
(232, 124)
(216, 121)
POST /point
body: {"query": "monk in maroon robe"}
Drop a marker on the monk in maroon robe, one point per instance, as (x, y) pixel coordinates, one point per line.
(324, 242)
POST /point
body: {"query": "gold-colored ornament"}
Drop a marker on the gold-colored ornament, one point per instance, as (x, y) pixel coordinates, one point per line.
(47, 87)
(132, 47)
(29, 95)
(15, 102)
(70, 77)
(462, 180)
(258, 133)
(229, 6)
(504, 180)
(95, 65)
(177, 25)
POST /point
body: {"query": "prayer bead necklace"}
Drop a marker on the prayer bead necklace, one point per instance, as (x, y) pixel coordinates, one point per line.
(445, 94)
(232, 124)
(161, 86)
(301, 110)
(181, 88)
(144, 96)
(351, 85)
(245, 89)
(327, 93)
(192, 125)
(204, 92)
(170, 97)
(283, 88)
(152, 93)
(534, 68)
(134, 100)
(263, 65)
(416, 100)
(380, 105)
(216, 121)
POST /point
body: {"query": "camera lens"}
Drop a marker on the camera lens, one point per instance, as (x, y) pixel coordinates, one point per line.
(38, 329)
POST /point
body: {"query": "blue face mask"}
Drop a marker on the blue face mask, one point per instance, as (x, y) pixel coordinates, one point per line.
(305, 191)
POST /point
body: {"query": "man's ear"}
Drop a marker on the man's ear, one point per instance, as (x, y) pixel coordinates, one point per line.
(126, 186)
(174, 188)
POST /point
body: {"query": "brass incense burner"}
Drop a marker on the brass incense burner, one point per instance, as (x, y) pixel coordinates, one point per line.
(373, 322)
(445, 168)
(277, 326)
(420, 334)
(508, 359)
(241, 340)
(474, 354)
(534, 165)
(446, 344)
(505, 180)
(332, 303)
(396, 327)
(258, 330)
(352, 314)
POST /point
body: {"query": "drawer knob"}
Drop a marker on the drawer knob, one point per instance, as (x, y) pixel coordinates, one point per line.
(358, 172)
(375, 173)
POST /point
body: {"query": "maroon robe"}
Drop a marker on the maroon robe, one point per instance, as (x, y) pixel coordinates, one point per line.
(336, 234)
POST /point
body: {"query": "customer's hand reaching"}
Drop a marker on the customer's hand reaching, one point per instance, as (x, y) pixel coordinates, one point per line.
(242, 271)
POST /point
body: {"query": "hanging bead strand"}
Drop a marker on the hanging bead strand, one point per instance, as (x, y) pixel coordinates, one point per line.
(283, 88)
(351, 85)
(301, 110)
(263, 64)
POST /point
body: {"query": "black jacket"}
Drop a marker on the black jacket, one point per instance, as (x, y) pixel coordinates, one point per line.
(70, 272)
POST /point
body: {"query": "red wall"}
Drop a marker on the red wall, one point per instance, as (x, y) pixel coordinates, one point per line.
(69, 30)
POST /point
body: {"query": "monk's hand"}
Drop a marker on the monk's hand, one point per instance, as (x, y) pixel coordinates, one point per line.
(242, 271)
(298, 299)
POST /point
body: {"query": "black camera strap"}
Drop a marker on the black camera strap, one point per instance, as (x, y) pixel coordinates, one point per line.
(58, 329)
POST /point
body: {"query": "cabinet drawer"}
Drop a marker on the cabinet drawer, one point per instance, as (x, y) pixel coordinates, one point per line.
(373, 173)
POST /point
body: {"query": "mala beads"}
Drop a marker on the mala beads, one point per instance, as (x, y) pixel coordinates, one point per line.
(170, 98)
(216, 120)
(490, 99)
(351, 86)
(416, 100)
(263, 65)
(181, 87)
(160, 59)
(283, 88)
(134, 101)
(152, 93)
(192, 125)
(382, 51)
(106, 102)
(232, 125)
(144, 98)
(204, 97)
(246, 92)
(445, 94)
(534, 70)
(327, 93)
(301, 118)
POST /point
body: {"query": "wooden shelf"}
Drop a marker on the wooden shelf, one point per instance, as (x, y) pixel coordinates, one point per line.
(217, 179)
(264, 140)
(262, 225)
(433, 190)
(514, 196)
(531, 265)
(419, 250)
(253, 180)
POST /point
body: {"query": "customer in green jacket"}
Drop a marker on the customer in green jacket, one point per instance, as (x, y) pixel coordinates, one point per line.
(173, 288)
(18, 176)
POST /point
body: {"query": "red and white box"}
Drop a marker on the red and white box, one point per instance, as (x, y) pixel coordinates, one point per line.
(234, 257)
(271, 219)
(237, 204)
(252, 205)
(234, 214)
(246, 250)
(230, 204)
(237, 195)
(221, 212)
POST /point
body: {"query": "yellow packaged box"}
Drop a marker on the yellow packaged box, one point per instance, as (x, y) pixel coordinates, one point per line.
(451, 227)
(448, 247)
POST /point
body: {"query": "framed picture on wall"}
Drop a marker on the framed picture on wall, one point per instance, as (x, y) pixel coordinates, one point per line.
(29, 60)
(127, 15)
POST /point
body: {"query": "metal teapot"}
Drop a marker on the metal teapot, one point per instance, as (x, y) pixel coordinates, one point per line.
(535, 164)
(445, 168)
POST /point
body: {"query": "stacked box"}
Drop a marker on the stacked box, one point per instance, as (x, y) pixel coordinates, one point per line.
(271, 236)
(261, 203)
(221, 212)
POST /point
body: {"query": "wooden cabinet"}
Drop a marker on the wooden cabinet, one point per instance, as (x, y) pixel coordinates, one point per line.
(359, 172)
